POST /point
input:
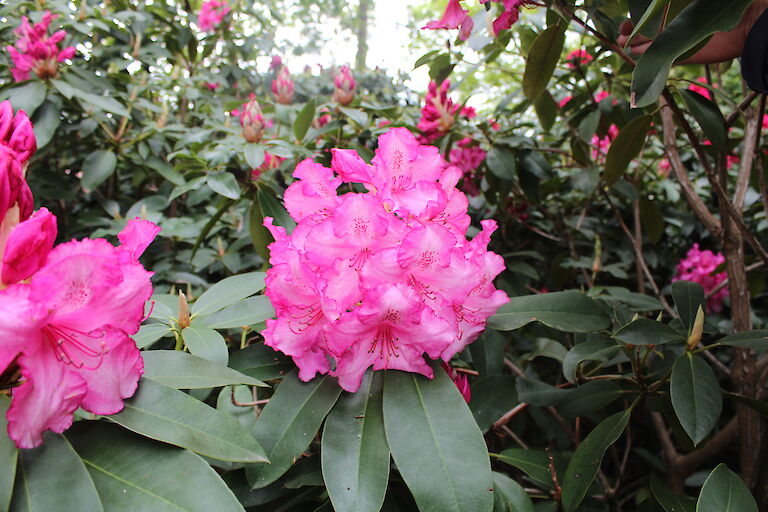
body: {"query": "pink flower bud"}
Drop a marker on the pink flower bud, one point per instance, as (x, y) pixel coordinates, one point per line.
(345, 87)
(275, 63)
(22, 137)
(252, 120)
(282, 87)
(438, 114)
(27, 247)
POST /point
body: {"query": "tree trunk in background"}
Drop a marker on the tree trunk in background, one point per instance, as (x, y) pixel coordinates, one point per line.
(362, 34)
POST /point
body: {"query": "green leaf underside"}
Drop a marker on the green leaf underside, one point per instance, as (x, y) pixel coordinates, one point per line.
(696, 396)
(724, 491)
(568, 311)
(184, 371)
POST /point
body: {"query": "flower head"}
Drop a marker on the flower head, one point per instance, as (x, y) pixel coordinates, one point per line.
(600, 145)
(438, 113)
(35, 52)
(382, 277)
(699, 267)
(467, 156)
(282, 87)
(16, 132)
(578, 59)
(251, 119)
(344, 87)
(211, 14)
(455, 16)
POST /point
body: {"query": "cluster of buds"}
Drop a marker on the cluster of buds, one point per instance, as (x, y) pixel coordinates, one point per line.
(37, 53)
(251, 119)
(344, 84)
(438, 113)
(211, 14)
(282, 87)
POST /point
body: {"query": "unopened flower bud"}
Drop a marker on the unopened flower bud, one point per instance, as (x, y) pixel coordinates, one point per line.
(345, 87)
(282, 87)
(698, 327)
(252, 120)
(184, 319)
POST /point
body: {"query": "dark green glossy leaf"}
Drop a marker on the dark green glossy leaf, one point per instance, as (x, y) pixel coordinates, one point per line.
(174, 417)
(223, 183)
(709, 117)
(260, 236)
(696, 22)
(696, 396)
(672, 502)
(288, 424)
(546, 110)
(625, 148)
(757, 339)
(52, 477)
(542, 60)
(150, 333)
(355, 455)
(180, 370)
(423, 416)
(488, 352)
(261, 362)
(568, 311)
(8, 456)
(134, 473)
(534, 463)
(509, 496)
(254, 155)
(357, 115)
(492, 397)
(645, 331)
(688, 297)
(724, 491)
(45, 121)
(652, 219)
(271, 207)
(589, 398)
(304, 120)
(536, 392)
(26, 97)
(502, 162)
(228, 291)
(99, 101)
(247, 312)
(594, 350)
(588, 457)
(97, 167)
(204, 342)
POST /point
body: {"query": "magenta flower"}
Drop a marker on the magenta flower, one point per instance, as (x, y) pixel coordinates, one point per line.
(275, 63)
(212, 86)
(251, 119)
(699, 266)
(704, 91)
(211, 14)
(35, 52)
(578, 58)
(600, 145)
(664, 167)
(460, 379)
(454, 17)
(344, 87)
(438, 113)
(16, 132)
(282, 87)
(378, 278)
(563, 102)
(270, 162)
(467, 156)
(16, 200)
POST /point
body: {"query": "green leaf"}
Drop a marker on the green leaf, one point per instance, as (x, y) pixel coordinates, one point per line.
(724, 491)
(589, 398)
(426, 58)
(709, 117)
(105, 103)
(8, 456)
(488, 352)
(568, 311)
(52, 477)
(271, 207)
(536, 392)
(260, 236)
(546, 110)
(588, 457)
(594, 350)
(509, 496)
(645, 331)
(204, 342)
(45, 121)
(97, 167)
(652, 219)
(254, 155)
(355, 455)
(653, 10)
(436, 443)
(240, 314)
(304, 120)
(223, 183)
(671, 501)
(150, 333)
(260, 362)
(542, 60)
(26, 97)
(502, 162)
(696, 396)
(534, 463)
(227, 292)
(288, 424)
(134, 473)
(180, 370)
(688, 296)
(756, 340)
(174, 417)
(355, 114)
(492, 397)
(625, 148)
(696, 22)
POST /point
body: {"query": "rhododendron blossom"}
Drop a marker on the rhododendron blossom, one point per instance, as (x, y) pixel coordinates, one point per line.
(664, 167)
(344, 87)
(16, 132)
(251, 119)
(211, 14)
(578, 58)
(455, 16)
(600, 145)
(704, 91)
(698, 266)
(35, 52)
(282, 87)
(467, 156)
(460, 379)
(378, 278)
(438, 113)
(270, 162)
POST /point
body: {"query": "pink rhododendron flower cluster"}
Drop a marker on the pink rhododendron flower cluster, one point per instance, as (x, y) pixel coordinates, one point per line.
(344, 87)
(16, 133)
(270, 162)
(578, 58)
(251, 119)
(35, 52)
(67, 313)
(455, 16)
(600, 145)
(698, 266)
(282, 87)
(460, 379)
(438, 113)
(382, 277)
(211, 14)
(467, 156)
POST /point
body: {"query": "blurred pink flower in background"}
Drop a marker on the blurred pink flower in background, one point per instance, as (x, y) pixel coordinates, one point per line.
(282, 87)
(600, 145)
(454, 16)
(578, 58)
(438, 113)
(701, 89)
(37, 53)
(698, 266)
(467, 156)
(251, 119)
(211, 14)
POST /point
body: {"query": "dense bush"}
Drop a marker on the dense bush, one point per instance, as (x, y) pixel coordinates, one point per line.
(563, 283)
